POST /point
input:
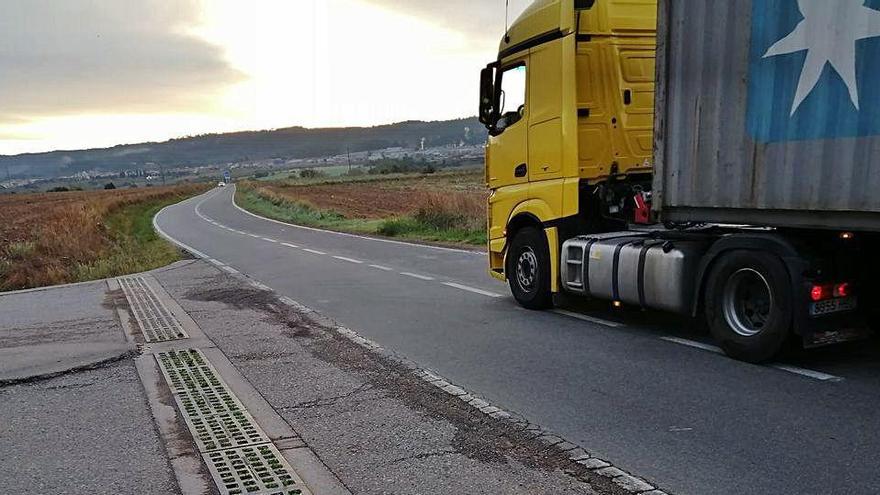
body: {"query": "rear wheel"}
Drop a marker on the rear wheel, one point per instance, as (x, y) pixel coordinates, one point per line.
(528, 269)
(748, 305)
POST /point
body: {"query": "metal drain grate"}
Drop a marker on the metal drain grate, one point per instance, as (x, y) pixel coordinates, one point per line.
(156, 322)
(188, 371)
(254, 470)
(218, 428)
(238, 453)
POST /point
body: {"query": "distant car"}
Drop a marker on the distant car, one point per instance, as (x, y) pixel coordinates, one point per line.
(221, 184)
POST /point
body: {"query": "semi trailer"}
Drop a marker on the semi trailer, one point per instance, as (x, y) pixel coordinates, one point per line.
(713, 158)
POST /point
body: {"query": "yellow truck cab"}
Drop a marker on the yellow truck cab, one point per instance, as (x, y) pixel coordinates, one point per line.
(569, 105)
(728, 232)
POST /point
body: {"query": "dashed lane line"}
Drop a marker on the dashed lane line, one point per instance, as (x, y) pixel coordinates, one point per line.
(383, 268)
(417, 276)
(293, 246)
(472, 289)
(591, 319)
(349, 260)
(694, 344)
(315, 251)
(269, 240)
(815, 375)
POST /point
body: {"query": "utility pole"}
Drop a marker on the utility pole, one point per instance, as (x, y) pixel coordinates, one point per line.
(162, 171)
(348, 151)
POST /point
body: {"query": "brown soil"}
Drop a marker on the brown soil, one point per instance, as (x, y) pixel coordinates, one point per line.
(63, 229)
(374, 200)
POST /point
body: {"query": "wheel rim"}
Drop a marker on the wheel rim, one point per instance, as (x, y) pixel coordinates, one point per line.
(527, 269)
(747, 302)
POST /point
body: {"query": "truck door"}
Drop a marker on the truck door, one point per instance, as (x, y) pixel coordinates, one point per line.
(508, 151)
(545, 111)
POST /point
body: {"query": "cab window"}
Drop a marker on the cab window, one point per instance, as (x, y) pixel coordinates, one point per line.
(513, 96)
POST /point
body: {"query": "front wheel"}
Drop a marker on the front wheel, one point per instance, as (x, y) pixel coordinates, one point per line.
(528, 269)
(748, 305)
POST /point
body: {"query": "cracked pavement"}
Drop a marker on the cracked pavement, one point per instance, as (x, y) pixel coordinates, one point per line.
(80, 423)
(377, 426)
(75, 420)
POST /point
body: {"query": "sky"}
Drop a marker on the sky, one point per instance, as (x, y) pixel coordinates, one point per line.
(80, 74)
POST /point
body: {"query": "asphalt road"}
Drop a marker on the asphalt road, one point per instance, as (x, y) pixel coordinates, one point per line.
(642, 390)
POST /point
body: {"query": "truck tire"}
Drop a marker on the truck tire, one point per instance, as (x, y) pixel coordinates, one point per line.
(528, 269)
(748, 305)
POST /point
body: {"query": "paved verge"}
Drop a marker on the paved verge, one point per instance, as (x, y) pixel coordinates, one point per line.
(74, 422)
(377, 425)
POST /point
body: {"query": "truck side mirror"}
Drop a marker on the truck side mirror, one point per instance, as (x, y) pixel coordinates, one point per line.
(487, 97)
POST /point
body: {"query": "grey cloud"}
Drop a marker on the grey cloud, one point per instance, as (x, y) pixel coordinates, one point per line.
(69, 56)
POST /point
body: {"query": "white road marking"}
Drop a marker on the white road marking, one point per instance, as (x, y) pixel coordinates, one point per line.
(591, 319)
(215, 262)
(229, 269)
(383, 268)
(269, 240)
(314, 251)
(816, 375)
(259, 286)
(350, 260)
(416, 275)
(255, 236)
(472, 289)
(694, 344)
(173, 240)
(294, 246)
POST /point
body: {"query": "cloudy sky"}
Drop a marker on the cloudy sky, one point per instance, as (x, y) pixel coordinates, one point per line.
(93, 73)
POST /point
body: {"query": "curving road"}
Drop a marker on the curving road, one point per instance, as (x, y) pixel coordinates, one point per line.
(640, 390)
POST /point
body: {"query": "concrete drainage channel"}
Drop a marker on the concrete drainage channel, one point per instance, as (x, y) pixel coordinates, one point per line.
(239, 455)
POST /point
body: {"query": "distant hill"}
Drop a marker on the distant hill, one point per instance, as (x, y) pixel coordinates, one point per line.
(210, 149)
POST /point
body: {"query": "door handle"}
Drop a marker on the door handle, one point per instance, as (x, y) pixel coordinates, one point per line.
(521, 171)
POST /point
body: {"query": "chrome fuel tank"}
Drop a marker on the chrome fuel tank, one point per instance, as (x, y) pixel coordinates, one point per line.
(633, 268)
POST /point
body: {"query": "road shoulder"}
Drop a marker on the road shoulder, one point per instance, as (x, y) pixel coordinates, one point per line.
(380, 424)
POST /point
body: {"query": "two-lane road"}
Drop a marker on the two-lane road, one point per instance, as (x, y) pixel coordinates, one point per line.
(626, 388)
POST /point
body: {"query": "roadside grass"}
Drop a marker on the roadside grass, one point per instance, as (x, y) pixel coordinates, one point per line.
(271, 205)
(445, 217)
(75, 237)
(442, 217)
(135, 246)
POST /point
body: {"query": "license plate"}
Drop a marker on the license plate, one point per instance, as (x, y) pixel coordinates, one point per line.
(833, 306)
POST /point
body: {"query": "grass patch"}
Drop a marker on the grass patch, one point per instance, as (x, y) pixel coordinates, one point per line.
(439, 217)
(19, 250)
(277, 207)
(135, 246)
(412, 228)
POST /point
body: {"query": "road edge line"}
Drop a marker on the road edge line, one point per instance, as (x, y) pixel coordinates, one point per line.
(575, 453)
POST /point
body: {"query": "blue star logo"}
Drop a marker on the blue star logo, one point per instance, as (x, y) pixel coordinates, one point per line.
(814, 69)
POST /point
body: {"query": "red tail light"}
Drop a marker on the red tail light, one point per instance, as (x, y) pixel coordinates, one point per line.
(820, 292)
(830, 291)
